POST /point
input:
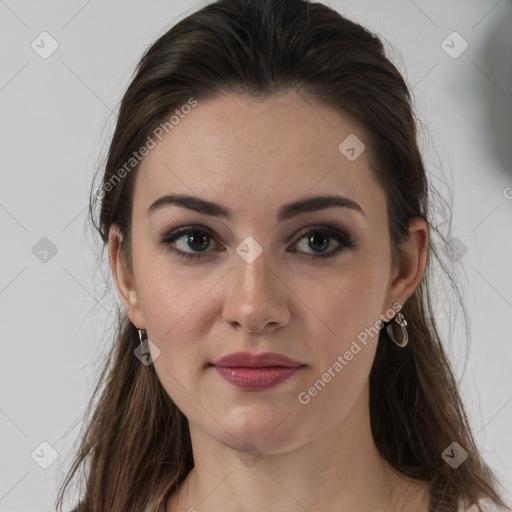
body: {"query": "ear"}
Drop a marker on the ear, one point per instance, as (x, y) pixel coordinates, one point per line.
(412, 256)
(123, 278)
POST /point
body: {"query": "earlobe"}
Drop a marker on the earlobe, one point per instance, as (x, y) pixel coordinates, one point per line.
(412, 255)
(123, 278)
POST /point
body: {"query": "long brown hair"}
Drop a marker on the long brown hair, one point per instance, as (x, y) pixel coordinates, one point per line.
(136, 447)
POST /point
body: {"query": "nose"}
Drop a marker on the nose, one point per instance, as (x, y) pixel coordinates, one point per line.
(255, 297)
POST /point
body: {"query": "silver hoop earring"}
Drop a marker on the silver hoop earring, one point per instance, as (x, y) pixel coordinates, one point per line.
(402, 323)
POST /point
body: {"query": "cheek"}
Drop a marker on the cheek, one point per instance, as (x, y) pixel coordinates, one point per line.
(176, 305)
(350, 304)
(345, 341)
(174, 310)
(169, 295)
(349, 346)
(343, 356)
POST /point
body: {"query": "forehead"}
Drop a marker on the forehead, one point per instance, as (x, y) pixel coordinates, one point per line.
(255, 153)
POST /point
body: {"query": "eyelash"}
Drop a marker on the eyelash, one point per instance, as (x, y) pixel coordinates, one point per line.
(345, 241)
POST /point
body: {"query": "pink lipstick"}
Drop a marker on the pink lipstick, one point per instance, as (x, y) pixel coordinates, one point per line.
(256, 371)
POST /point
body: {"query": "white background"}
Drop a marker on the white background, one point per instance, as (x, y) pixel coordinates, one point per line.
(57, 115)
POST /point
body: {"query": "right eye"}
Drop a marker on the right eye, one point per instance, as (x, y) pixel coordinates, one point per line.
(195, 237)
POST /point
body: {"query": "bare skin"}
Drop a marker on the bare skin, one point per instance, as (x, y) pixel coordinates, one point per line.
(252, 157)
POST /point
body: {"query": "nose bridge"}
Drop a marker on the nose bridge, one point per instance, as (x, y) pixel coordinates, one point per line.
(252, 298)
(252, 272)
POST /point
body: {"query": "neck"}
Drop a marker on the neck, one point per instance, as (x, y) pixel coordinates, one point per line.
(341, 469)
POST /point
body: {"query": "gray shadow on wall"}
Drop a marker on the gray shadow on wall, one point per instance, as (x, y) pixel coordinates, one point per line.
(495, 61)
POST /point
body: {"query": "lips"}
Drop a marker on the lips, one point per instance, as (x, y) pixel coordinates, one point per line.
(256, 371)
(250, 360)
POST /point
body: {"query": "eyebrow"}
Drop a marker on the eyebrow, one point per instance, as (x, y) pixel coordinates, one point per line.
(287, 211)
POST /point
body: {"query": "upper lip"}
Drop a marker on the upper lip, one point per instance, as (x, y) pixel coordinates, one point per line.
(250, 360)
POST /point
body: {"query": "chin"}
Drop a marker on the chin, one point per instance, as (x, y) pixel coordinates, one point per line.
(268, 430)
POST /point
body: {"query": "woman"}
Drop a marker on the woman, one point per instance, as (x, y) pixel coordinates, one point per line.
(268, 218)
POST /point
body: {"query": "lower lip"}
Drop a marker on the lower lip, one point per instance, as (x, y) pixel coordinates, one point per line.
(257, 378)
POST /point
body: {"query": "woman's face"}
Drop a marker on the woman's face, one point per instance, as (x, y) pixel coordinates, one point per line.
(256, 280)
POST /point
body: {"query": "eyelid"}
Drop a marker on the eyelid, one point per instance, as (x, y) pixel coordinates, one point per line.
(338, 234)
(173, 234)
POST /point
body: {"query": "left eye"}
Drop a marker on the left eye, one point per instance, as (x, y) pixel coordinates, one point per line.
(318, 241)
(198, 239)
